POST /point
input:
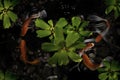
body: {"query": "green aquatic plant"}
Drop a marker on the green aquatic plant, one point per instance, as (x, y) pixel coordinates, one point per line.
(6, 12)
(65, 38)
(7, 76)
(113, 6)
(110, 71)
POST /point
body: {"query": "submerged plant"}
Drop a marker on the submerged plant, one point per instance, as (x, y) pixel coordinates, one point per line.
(113, 6)
(65, 38)
(110, 71)
(6, 13)
(7, 76)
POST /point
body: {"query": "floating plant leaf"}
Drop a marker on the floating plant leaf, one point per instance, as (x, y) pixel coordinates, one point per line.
(49, 47)
(42, 24)
(61, 22)
(71, 38)
(43, 33)
(76, 21)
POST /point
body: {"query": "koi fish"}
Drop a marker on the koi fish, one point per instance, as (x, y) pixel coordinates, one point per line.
(88, 46)
(23, 55)
(86, 60)
(89, 64)
(24, 29)
(23, 51)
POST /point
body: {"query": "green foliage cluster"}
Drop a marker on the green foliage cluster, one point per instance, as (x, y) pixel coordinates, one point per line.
(6, 13)
(65, 38)
(110, 71)
(7, 76)
(113, 5)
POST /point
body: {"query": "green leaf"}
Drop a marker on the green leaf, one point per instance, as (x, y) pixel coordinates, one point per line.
(69, 28)
(63, 58)
(60, 58)
(10, 76)
(84, 24)
(1, 8)
(116, 13)
(115, 75)
(6, 21)
(50, 22)
(62, 22)
(76, 21)
(43, 33)
(41, 24)
(71, 38)
(110, 2)
(75, 57)
(1, 5)
(1, 16)
(12, 16)
(109, 9)
(118, 8)
(79, 45)
(2, 75)
(85, 33)
(59, 37)
(53, 60)
(49, 47)
(7, 4)
(115, 66)
(107, 65)
(110, 77)
(15, 2)
(101, 70)
(103, 76)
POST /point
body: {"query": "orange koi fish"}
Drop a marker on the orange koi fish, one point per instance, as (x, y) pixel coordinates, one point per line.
(88, 46)
(23, 55)
(22, 45)
(24, 28)
(86, 60)
(23, 50)
(89, 64)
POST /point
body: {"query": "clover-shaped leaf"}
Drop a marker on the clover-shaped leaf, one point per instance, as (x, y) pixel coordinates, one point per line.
(60, 58)
(6, 21)
(71, 38)
(85, 33)
(50, 22)
(76, 21)
(43, 33)
(41, 24)
(62, 22)
(12, 16)
(103, 76)
(59, 36)
(109, 9)
(7, 4)
(75, 57)
(49, 47)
